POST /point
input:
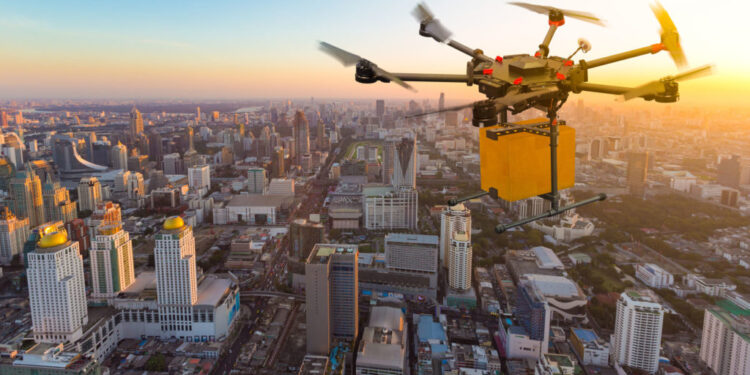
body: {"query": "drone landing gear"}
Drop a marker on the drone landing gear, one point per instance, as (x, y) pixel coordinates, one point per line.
(554, 195)
(547, 129)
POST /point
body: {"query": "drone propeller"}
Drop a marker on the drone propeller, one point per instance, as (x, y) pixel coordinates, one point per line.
(431, 26)
(542, 9)
(348, 59)
(656, 87)
(502, 102)
(670, 38)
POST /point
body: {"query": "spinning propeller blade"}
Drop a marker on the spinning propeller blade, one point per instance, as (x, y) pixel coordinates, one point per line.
(431, 25)
(670, 38)
(349, 59)
(656, 87)
(583, 16)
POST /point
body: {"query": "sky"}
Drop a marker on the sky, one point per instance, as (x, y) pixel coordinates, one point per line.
(259, 49)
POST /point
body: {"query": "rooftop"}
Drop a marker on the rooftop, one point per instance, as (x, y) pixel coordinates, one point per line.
(212, 290)
(555, 286)
(259, 200)
(412, 238)
(546, 258)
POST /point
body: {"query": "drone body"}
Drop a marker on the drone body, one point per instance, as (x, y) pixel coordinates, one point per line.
(515, 83)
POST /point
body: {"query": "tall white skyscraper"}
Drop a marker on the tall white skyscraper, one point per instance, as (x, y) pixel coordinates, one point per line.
(199, 178)
(89, 193)
(57, 293)
(459, 262)
(725, 343)
(256, 180)
(405, 164)
(453, 220)
(637, 331)
(173, 164)
(176, 276)
(111, 261)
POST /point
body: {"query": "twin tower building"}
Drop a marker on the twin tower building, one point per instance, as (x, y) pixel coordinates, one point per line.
(174, 301)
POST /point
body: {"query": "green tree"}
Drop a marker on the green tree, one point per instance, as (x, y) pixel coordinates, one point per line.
(156, 363)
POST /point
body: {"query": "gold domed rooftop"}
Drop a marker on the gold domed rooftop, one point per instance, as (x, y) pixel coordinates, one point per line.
(53, 239)
(174, 222)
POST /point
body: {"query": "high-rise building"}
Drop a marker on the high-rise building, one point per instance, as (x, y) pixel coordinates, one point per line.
(57, 294)
(453, 220)
(322, 138)
(102, 152)
(197, 114)
(173, 164)
(331, 295)
(13, 234)
(303, 235)
(155, 147)
(26, 197)
(725, 342)
(534, 313)
(199, 178)
(278, 162)
(637, 173)
(730, 170)
(380, 109)
(404, 164)
(301, 136)
(4, 119)
(256, 180)
(136, 123)
(89, 193)
(412, 252)
(637, 336)
(441, 101)
(389, 152)
(176, 277)
(56, 201)
(119, 156)
(135, 186)
(459, 262)
(388, 208)
(111, 261)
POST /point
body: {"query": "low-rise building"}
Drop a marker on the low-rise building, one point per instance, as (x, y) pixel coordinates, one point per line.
(654, 276)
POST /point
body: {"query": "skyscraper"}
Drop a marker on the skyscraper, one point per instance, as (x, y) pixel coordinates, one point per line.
(89, 193)
(13, 233)
(637, 173)
(26, 197)
(106, 213)
(135, 187)
(119, 156)
(322, 138)
(534, 313)
(389, 153)
(380, 109)
(155, 147)
(331, 295)
(111, 261)
(4, 119)
(441, 101)
(637, 334)
(199, 178)
(279, 170)
(459, 262)
(136, 123)
(256, 180)
(404, 164)
(176, 277)
(301, 136)
(303, 235)
(173, 164)
(725, 342)
(729, 171)
(453, 220)
(56, 201)
(57, 294)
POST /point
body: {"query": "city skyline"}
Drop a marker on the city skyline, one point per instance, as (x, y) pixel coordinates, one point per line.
(229, 50)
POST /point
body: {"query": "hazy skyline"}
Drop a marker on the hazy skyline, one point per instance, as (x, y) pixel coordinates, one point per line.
(269, 49)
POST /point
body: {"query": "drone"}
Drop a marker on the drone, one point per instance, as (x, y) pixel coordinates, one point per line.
(516, 83)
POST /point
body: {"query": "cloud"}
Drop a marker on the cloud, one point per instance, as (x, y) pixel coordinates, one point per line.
(16, 21)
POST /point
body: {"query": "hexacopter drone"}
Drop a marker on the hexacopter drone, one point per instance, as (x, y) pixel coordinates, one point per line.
(515, 161)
